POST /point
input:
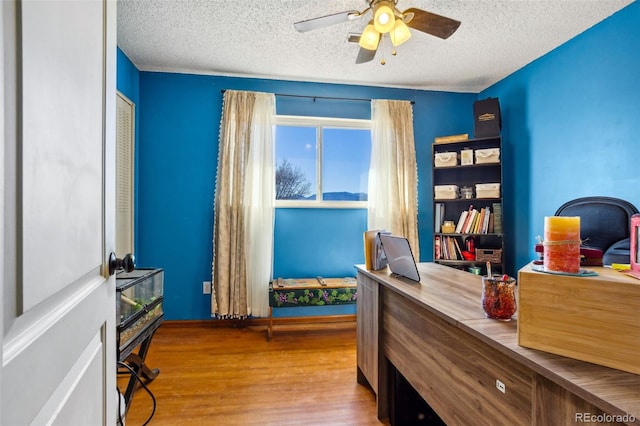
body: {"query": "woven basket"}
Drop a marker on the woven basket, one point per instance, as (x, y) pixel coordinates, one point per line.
(489, 255)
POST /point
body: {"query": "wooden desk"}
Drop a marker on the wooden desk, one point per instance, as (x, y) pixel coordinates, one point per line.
(435, 334)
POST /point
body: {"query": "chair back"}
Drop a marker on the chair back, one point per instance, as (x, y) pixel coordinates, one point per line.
(603, 220)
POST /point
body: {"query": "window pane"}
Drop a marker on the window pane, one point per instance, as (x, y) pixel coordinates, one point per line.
(295, 163)
(345, 164)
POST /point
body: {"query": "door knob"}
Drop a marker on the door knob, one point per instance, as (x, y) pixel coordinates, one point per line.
(128, 263)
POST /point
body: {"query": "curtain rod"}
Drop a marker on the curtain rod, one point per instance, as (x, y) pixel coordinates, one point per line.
(321, 97)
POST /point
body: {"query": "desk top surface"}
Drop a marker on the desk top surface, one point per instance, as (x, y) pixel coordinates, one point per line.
(451, 294)
(454, 296)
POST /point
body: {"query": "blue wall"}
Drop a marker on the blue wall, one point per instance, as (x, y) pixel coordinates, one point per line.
(128, 77)
(179, 116)
(571, 122)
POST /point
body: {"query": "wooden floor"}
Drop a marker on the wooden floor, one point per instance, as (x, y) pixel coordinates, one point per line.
(306, 375)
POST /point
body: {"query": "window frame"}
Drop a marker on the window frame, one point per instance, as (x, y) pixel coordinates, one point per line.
(319, 123)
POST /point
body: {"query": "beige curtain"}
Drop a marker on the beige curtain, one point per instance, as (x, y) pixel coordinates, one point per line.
(393, 173)
(243, 206)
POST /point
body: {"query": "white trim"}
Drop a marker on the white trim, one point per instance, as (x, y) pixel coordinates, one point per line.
(300, 204)
(4, 50)
(298, 120)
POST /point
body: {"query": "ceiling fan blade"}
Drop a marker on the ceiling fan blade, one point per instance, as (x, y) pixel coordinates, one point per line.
(431, 23)
(365, 55)
(325, 21)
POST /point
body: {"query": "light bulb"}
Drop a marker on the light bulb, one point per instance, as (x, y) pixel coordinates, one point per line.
(370, 38)
(383, 17)
(400, 33)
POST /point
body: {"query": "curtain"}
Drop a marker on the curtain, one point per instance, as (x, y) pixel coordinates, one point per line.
(243, 206)
(393, 173)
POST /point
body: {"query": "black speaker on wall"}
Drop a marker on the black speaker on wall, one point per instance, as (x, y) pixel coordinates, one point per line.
(407, 406)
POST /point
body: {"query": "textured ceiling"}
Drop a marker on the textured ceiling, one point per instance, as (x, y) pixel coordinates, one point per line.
(249, 38)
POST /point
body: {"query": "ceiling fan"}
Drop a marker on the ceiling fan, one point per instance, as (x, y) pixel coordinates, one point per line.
(386, 20)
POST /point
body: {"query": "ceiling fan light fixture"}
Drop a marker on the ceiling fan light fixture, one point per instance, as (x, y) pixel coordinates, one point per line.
(370, 38)
(400, 33)
(383, 16)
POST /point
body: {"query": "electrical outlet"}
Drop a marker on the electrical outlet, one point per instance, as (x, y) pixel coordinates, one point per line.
(206, 287)
(500, 386)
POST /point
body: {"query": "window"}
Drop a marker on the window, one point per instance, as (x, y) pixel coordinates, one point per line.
(322, 162)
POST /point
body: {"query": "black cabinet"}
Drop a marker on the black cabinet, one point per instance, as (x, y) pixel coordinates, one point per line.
(467, 194)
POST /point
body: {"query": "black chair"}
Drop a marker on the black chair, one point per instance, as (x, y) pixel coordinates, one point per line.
(604, 224)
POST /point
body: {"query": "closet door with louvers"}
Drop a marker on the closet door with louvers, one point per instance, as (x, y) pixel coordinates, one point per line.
(124, 175)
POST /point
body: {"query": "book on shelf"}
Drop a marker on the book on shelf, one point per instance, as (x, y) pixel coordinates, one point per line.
(471, 222)
(477, 222)
(444, 251)
(497, 218)
(452, 249)
(485, 224)
(465, 226)
(458, 251)
(460, 224)
(474, 221)
(444, 248)
(483, 221)
(447, 248)
(439, 217)
(476, 225)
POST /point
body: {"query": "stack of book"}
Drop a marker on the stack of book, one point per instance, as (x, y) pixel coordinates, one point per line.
(447, 248)
(474, 221)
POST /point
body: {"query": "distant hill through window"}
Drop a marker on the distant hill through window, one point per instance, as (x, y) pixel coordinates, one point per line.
(339, 196)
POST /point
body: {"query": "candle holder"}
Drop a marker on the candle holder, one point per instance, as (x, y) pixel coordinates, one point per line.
(499, 297)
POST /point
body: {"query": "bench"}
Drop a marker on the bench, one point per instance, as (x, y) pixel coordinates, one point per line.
(319, 291)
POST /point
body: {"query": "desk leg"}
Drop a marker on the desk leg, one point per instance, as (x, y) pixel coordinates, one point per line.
(384, 383)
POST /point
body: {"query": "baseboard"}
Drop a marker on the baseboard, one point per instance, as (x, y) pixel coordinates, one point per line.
(250, 322)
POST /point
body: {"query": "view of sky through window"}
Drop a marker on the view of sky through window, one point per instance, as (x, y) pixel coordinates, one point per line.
(344, 162)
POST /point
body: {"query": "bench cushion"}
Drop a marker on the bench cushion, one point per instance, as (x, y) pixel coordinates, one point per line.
(310, 292)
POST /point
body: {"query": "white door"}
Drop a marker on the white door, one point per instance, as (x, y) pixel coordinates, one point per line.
(57, 190)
